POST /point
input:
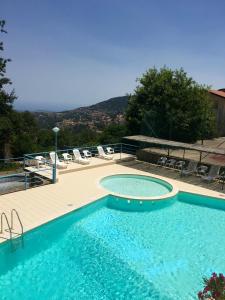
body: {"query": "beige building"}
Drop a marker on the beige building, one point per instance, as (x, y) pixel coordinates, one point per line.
(218, 98)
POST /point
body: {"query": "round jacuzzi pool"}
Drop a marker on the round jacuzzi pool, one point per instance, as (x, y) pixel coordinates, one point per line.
(136, 185)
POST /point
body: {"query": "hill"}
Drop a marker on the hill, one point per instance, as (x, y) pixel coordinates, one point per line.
(94, 117)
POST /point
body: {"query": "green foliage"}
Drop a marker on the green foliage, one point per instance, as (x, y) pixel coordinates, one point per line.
(18, 131)
(112, 134)
(6, 101)
(169, 104)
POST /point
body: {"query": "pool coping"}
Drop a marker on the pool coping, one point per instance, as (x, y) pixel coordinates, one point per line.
(171, 194)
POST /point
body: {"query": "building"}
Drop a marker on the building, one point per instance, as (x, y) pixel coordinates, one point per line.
(218, 98)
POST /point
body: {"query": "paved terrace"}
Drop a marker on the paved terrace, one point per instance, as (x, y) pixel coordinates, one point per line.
(75, 189)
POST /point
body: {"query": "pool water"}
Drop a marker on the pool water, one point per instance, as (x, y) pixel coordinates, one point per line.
(102, 253)
(136, 185)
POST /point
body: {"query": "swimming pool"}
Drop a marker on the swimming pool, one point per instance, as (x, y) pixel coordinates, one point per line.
(136, 185)
(102, 253)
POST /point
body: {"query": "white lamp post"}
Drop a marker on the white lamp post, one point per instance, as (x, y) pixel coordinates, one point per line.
(55, 130)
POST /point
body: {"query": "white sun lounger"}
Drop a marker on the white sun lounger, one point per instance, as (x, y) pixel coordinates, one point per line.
(67, 157)
(213, 174)
(191, 168)
(102, 153)
(59, 164)
(109, 150)
(79, 159)
(87, 154)
(40, 160)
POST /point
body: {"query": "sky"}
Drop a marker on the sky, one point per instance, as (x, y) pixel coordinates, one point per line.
(70, 53)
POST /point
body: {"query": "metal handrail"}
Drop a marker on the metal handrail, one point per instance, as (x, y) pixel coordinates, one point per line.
(18, 217)
(7, 221)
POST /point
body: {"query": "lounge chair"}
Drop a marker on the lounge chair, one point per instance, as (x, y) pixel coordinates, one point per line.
(202, 170)
(67, 157)
(191, 168)
(179, 164)
(170, 163)
(87, 154)
(79, 159)
(212, 175)
(162, 161)
(102, 153)
(59, 164)
(40, 160)
(110, 150)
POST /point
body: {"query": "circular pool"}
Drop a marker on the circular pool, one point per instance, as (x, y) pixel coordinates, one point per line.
(136, 185)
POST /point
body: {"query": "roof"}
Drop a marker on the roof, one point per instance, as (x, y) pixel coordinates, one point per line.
(220, 93)
(173, 144)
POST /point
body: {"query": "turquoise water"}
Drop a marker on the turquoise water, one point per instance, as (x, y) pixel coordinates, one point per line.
(136, 185)
(103, 253)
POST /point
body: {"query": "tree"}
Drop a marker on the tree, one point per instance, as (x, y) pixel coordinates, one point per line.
(168, 104)
(6, 102)
(113, 134)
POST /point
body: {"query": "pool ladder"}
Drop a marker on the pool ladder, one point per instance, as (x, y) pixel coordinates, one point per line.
(16, 238)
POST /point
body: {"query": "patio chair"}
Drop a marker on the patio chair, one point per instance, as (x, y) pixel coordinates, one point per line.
(87, 154)
(179, 164)
(202, 170)
(212, 175)
(40, 161)
(79, 159)
(54, 158)
(110, 150)
(162, 161)
(170, 163)
(67, 157)
(191, 168)
(102, 154)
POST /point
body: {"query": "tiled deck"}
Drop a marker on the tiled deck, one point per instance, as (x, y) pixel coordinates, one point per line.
(73, 190)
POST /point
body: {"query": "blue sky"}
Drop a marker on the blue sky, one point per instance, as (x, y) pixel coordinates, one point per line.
(78, 52)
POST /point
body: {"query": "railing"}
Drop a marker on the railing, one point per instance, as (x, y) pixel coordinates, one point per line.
(118, 148)
(15, 176)
(3, 215)
(10, 228)
(22, 173)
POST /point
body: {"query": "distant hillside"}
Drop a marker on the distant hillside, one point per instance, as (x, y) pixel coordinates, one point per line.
(95, 117)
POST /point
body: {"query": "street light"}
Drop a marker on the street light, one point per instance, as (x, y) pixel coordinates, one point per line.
(55, 130)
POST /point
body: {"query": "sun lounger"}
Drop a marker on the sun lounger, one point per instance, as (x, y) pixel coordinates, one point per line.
(54, 159)
(102, 153)
(191, 168)
(40, 161)
(87, 154)
(202, 170)
(67, 157)
(179, 164)
(170, 163)
(79, 159)
(212, 175)
(162, 161)
(109, 150)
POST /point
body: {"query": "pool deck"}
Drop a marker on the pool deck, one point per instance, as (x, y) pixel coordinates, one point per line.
(75, 189)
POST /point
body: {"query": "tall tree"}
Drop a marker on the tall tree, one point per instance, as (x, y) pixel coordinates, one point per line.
(169, 104)
(6, 101)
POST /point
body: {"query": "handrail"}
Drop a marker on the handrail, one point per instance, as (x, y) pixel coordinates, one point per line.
(7, 221)
(16, 212)
(69, 148)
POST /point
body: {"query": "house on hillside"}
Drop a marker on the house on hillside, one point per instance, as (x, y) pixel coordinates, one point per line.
(218, 98)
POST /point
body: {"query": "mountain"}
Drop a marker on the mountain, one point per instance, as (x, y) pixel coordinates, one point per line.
(94, 117)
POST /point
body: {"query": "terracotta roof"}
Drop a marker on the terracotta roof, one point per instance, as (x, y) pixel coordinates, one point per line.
(218, 93)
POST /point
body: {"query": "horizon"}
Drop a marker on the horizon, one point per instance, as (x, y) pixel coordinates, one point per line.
(82, 53)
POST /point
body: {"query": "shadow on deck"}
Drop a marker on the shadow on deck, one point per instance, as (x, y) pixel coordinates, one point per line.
(173, 174)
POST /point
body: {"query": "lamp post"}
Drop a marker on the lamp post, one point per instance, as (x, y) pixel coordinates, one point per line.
(55, 130)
